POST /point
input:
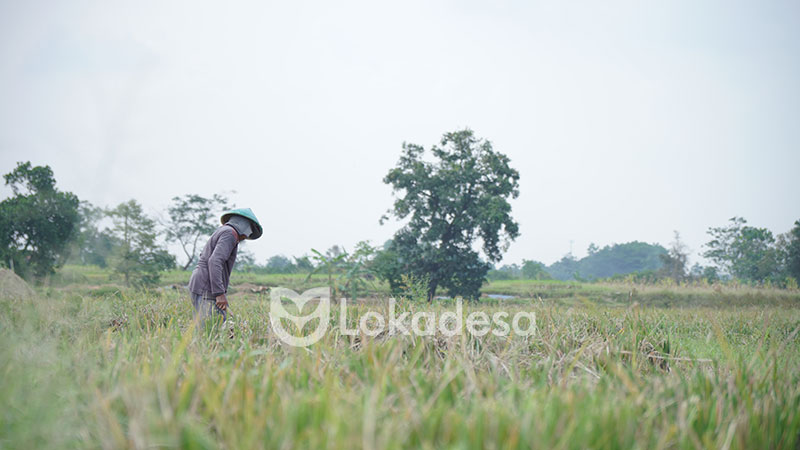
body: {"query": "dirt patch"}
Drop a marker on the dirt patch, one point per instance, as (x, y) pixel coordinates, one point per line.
(14, 287)
(248, 290)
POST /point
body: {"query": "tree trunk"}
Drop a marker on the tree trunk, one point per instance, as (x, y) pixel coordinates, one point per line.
(188, 263)
(432, 290)
(330, 284)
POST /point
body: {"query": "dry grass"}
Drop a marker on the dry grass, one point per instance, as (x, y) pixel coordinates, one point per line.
(129, 370)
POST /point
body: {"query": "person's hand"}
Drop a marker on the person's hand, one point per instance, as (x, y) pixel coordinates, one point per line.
(222, 302)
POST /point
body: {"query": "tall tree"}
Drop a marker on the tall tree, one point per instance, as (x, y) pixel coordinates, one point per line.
(675, 260)
(745, 252)
(191, 218)
(720, 249)
(793, 252)
(38, 222)
(451, 202)
(139, 258)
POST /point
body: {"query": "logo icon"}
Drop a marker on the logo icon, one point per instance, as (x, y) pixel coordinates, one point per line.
(278, 312)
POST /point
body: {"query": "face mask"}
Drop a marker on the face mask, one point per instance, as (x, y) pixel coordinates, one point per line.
(241, 225)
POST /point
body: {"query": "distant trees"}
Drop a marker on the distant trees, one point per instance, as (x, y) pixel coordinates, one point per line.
(192, 218)
(793, 252)
(737, 250)
(37, 223)
(92, 246)
(280, 264)
(611, 260)
(530, 270)
(42, 227)
(675, 260)
(460, 196)
(567, 268)
(505, 272)
(276, 264)
(534, 270)
(138, 258)
(744, 252)
(129, 246)
(245, 261)
(303, 264)
(452, 198)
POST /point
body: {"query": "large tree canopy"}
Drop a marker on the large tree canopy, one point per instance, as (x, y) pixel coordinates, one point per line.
(37, 222)
(745, 252)
(451, 202)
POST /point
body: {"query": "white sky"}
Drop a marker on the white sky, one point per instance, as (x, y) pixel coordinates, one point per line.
(626, 120)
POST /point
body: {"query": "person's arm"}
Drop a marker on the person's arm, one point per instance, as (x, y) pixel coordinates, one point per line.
(216, 266)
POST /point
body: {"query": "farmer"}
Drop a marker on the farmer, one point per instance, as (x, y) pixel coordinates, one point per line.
(209, 282)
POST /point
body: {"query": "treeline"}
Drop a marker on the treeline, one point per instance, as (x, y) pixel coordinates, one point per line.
(599, 263)
(42, 228)
(737, 251)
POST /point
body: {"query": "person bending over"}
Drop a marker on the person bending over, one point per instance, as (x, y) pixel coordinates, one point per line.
(209, 282)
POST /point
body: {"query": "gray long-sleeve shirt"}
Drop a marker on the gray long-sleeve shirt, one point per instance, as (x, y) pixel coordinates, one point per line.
(213, 271)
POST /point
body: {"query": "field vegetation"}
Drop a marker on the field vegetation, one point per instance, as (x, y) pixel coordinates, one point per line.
(632, 347)
(88, 363)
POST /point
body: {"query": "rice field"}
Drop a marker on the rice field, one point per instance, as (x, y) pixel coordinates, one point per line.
(116, 368)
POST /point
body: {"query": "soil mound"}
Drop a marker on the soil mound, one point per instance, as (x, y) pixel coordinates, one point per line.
(13, 287)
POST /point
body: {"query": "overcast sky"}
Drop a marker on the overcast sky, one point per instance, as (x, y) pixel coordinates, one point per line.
(626, 120)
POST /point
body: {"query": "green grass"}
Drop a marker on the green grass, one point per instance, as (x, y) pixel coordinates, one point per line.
(95, 281)
(121, 368)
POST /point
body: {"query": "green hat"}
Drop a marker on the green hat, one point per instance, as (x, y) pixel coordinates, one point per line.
(248, 214)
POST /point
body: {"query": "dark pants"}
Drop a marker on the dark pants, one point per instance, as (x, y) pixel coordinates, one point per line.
(205, 306)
